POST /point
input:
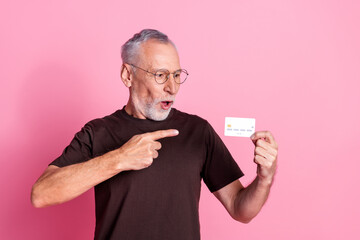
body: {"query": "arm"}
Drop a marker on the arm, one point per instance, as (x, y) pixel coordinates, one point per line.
(243, 204)
(57, 185)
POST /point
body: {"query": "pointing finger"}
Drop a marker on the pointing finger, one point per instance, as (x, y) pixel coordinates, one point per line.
(162, 134)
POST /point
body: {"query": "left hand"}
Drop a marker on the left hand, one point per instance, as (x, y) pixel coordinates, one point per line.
(265, 155)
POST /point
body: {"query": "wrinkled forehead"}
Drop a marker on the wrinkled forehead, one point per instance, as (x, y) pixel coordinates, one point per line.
(158, 55)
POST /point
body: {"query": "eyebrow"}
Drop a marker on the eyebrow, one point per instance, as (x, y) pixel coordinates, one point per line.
(158, 69)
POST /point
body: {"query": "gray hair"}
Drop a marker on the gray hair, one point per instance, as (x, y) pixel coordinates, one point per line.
(129, 50)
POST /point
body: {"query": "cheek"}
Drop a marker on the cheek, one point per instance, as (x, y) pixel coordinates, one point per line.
(154, 93)
(148, 91)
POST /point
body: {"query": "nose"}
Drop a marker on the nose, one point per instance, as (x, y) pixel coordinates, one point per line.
(170, 86)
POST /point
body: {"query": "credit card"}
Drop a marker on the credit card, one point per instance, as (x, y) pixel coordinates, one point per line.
(239, 127)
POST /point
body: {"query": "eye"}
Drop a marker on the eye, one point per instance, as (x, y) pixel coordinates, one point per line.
(177, 74)
(159, 75)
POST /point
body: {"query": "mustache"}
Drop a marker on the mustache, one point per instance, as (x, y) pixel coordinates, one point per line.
(168, 99)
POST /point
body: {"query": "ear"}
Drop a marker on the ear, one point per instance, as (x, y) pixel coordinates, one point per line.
(125, 75)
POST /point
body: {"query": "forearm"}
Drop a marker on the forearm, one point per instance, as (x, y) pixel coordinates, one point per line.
(58, 185)
(249, 201)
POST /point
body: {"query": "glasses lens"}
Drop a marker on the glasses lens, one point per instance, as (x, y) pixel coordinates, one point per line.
(161, 76)
(180, 76)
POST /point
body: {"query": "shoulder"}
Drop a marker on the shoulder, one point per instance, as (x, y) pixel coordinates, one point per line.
(104, 122)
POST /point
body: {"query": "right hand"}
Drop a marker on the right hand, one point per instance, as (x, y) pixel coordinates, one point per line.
(140, 151)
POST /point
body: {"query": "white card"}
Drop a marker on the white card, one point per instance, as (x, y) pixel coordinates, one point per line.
(239, 127)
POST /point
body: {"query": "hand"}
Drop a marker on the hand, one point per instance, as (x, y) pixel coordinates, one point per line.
(140, 151)
(265, 155)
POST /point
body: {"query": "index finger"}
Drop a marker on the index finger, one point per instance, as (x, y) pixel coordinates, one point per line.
(263, 134)
(162, 134)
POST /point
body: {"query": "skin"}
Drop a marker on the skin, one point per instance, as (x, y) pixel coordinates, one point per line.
(57, 185)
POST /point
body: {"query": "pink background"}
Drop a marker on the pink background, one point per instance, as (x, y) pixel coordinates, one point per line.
(292, 65)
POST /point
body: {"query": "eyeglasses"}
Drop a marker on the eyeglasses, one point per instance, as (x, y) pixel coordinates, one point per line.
(162, 75)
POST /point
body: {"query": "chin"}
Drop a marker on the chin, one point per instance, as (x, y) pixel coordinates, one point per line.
(157, 115)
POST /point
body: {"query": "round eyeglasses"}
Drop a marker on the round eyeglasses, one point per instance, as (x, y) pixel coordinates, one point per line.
(162, 75)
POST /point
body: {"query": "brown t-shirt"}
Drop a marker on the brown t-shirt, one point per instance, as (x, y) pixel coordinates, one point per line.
(161, 201)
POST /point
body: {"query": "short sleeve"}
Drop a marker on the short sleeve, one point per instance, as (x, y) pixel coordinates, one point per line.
(220, 168)
(79, 150)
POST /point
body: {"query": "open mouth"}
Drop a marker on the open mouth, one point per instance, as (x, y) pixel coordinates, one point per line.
(166, 104)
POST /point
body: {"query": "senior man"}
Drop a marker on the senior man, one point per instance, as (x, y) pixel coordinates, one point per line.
(146, 161)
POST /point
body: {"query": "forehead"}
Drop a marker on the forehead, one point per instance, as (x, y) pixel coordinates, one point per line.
(156, 55)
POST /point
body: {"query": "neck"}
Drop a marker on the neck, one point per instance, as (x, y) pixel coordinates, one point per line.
(131, 110)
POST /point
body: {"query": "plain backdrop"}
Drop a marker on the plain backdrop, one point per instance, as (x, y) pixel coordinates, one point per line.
(292, 65)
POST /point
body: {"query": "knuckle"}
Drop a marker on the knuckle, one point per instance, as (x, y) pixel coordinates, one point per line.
(148, 162)
(276, 152)
(140, 138)
(145, 135)
(259, 150)
(135, 137)
(268, 164)
(149, 151)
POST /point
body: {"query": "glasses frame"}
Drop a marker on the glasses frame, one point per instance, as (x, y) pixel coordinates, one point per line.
(168, 75)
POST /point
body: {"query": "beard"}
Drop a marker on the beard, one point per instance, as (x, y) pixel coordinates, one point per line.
(150, 108)
(155, 114)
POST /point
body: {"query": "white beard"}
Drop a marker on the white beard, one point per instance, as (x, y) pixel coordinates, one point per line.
(148, 109)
